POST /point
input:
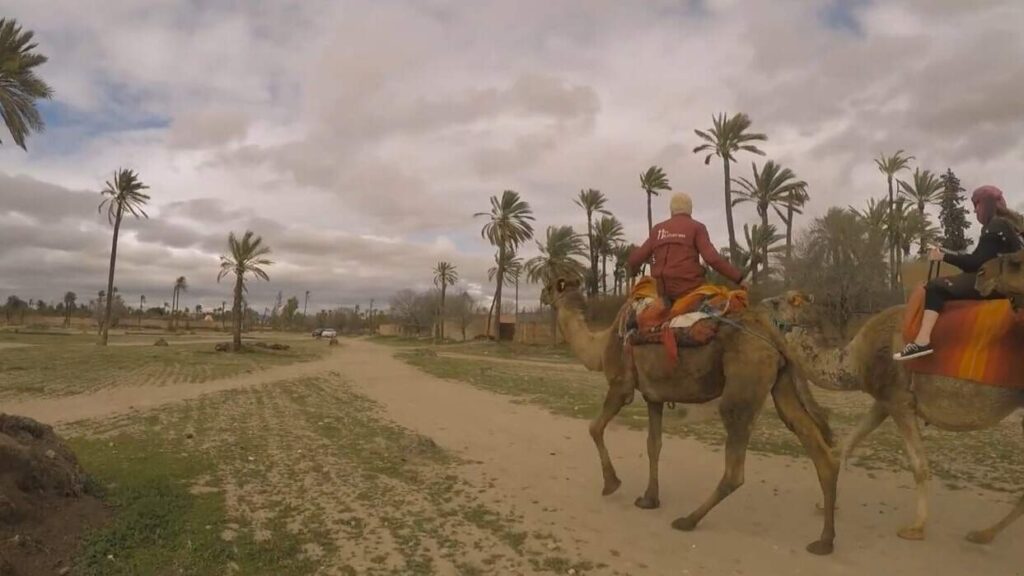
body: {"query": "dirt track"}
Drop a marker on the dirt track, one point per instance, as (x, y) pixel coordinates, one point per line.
(545, 466)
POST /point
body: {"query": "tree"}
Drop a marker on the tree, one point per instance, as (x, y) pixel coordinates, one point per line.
(890, 166)
(69, 307)
(15, 307)
(245, 257)
(762, 241)
(289, 309)
(142, 308)
(794, 205)
(621, 254)
(652, 181)
(513, 267)
(773, 188)
(445, 275)
(557, 259)
(953, 215)
(593, 202)
(608, 233)
(20, 87)
(508, 226)
(180, 285)
(925, 189)
(123, 194)
(727, 137)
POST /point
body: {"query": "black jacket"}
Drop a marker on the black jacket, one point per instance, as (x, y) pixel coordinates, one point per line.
(999, 236)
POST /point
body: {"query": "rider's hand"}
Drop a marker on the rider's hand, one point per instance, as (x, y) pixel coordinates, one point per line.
(935, 254)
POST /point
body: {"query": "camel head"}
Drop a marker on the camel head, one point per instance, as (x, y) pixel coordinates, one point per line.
(562, 291)
(792, 309)
(1003, 275)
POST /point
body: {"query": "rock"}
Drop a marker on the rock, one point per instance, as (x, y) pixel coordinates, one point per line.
(51, 454)
(64, 571)
(189, 435)
(160, 342)
(222, 347)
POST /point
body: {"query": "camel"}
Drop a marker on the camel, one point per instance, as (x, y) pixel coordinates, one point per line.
(738, 368)
(866, 364)
(1003, 275)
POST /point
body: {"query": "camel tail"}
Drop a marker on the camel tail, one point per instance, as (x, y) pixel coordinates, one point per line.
(818, 413)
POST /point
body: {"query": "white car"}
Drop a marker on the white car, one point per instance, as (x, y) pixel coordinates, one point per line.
(329, 333)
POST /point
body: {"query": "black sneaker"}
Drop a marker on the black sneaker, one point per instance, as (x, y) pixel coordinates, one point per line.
(912, 350)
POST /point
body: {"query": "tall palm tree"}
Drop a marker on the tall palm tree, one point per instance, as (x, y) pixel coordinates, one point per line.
(123, 194)
(180, 285)
(608, 233)
(513, 267)
(728, 136)
(923, 190)
(557, 259)
(890, 166)
(142, 308)
(621, 254)
(773, 188)
(653, 181)
(794, 205)
(245, 257)
(69, 306)
(445, 275)
(19, 85)
(593, 202)
(762, 241)
(508, 226)
(875, 215)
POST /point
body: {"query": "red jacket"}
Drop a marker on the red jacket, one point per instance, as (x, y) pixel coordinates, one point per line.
(677, 246)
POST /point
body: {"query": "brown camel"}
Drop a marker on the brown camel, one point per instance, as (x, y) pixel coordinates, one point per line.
(1004, 275)
(739, 368)
(866, 364)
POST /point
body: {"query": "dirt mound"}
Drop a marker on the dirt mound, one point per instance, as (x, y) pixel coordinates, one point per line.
(160, 342)
(272, 346)
(44, 507)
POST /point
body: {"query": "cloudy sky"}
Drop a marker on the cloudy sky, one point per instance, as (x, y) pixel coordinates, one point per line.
(359, 137)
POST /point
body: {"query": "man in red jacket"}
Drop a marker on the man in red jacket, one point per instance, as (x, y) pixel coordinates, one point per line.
(677, 245)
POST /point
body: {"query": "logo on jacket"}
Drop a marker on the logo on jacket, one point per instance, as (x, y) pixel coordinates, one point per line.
(666, 235)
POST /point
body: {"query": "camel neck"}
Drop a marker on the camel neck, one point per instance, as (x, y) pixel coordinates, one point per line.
(586, 345)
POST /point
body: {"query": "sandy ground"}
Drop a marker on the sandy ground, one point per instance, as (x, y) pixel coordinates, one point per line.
(545, 466)
(9, 345)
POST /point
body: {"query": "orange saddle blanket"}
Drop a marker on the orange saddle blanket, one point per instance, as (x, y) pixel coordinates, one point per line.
(981, 341)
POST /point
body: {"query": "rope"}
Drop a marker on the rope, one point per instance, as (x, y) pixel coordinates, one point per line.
(705, 309)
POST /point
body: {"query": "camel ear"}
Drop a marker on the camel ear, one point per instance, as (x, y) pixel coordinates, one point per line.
(797, 300)
(560, 285)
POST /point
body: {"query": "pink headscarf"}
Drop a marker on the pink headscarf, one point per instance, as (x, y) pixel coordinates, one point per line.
(986, 199)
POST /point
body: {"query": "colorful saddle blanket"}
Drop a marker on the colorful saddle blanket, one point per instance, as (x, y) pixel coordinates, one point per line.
(692, 320)
(981, 341)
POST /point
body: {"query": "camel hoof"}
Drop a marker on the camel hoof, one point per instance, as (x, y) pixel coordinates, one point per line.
(981, 537)
(685, 524)
(610, 486)
(911, 533)
(820, 547)
(645, 503)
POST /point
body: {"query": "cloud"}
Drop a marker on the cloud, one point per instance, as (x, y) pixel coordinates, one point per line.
(359, 137)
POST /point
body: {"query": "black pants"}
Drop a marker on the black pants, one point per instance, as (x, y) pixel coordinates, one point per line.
(959, 287)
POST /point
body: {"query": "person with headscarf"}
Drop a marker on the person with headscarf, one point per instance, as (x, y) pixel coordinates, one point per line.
(1000, 234)
(677, 246)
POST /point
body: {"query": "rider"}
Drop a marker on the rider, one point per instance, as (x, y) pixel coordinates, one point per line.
(677, 245)
(1000, 234)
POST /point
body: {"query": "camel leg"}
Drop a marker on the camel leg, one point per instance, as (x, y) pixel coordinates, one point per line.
(989, 534)
(614, 400)
(906, 422)
(796, 418)
(649, 500)
(872, 420)
(738, 416)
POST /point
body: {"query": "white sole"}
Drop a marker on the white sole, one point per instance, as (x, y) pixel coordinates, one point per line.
(902, 358)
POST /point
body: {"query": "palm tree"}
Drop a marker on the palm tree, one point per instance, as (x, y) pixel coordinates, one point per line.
(513, 267)
(775, 188)
(653, 181)
(180, 285)
(794, 205)
(245, 256)
(142, 308)
(69, 305)
(508, 226)
(593, 202)
(726, 137)
(445, 275)
(890, 166)
(123, 194)
(875, 215)
(557, 260)
(607, 234)
(762, 241)
(925, 189)
(621, 254)
(19, 85)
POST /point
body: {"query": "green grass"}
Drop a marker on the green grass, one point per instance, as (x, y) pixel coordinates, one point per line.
(989, 459)
(59, 366)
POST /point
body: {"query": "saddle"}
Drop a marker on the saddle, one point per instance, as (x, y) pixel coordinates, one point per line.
(691, 321)
(975, 340)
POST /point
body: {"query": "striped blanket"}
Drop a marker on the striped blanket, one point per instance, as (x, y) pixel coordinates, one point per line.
(982, 341)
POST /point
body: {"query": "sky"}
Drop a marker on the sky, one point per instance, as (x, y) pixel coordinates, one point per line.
(359, 137)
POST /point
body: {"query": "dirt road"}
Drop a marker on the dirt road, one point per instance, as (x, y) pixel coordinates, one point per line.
(545, 466)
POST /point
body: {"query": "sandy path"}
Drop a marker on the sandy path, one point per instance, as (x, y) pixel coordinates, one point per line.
(9, 345)
(547, 467)
(555, 364)
(109, 402)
